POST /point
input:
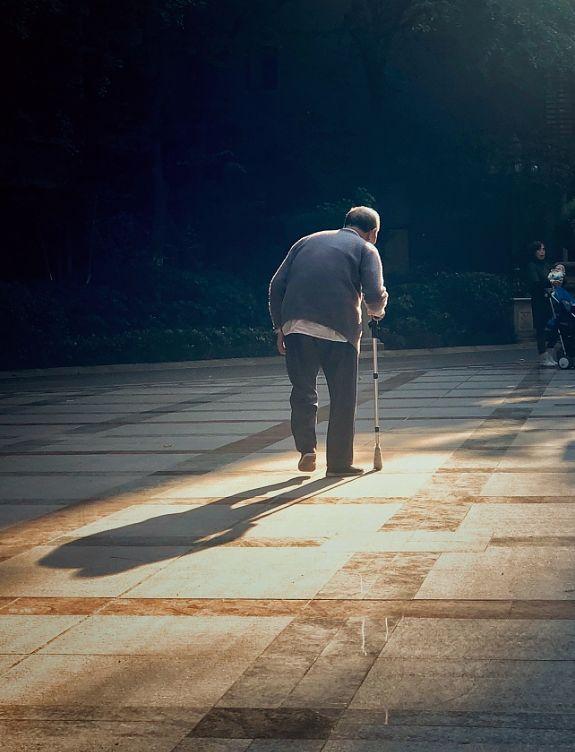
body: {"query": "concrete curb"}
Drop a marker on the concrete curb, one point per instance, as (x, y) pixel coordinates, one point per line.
(445, 350)
(230, 362)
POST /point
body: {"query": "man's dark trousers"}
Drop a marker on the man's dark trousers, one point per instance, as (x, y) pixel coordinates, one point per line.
(305, 356)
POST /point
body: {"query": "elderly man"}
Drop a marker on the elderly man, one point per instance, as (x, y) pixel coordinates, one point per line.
(315, 306)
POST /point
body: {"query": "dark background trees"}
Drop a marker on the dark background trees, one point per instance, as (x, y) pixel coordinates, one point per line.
(148, 147)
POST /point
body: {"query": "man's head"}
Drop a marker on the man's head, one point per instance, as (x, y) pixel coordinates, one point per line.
(364, 221)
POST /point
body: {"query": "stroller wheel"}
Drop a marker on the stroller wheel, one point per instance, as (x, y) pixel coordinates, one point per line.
(564, 362)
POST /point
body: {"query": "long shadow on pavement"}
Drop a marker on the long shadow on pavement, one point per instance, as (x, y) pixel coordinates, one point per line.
(160, 538)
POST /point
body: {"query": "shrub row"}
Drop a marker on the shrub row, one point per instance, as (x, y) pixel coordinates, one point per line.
(147, 346)
(191, 317)
(471, 308)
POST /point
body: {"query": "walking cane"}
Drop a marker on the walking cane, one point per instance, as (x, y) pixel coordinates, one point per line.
(377, 461)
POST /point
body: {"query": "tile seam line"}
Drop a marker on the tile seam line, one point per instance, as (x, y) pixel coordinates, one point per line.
(81, 620)
(11, 375)
(337, 736)
(168, 721)
(372, 663)
(146, 415)
(306, 611)
(208, 599)
(320, 654)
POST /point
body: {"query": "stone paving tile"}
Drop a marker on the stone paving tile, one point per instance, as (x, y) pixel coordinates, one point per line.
(325, 608)
(7, 661)
(213, 745)
(518, 519)
(422, 515)
(371, 731)
(190, 417)
(74, 465)
(445, 487)
(557, 483)
(244, 573)
(27, 634)
(12, 514)
(288, 723)
(51, 606)
(536, 457)
(221, 485)
(420, 440)
(182, 714)
(286, 745)
(88, 736)
(456, 639)
(283, 665)
(524, 500)
(379, 576)
(111, 443)
(57, 488)
(195, 522)
(401, 462)
(165, 635)
(382, 485)
(501, 573)
(468, 685)
(417, 541)
(110, 680)
(80, 572)
(337, 674)
(8, 552)
(82, 408)
(6, 440)
(68, 419)
(264, 461)
(229, 428)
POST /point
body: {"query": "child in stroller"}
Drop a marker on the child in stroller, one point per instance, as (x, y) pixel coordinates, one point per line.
(561, 326)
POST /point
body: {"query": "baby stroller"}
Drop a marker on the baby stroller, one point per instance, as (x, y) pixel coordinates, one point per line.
(561, 330)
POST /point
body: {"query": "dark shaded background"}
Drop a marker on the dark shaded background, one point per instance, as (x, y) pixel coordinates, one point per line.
(147, 140)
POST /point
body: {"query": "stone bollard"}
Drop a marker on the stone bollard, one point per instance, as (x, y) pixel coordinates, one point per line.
(523, 319)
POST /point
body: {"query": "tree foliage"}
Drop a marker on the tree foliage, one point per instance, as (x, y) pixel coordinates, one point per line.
(125, 141)
(511, 34)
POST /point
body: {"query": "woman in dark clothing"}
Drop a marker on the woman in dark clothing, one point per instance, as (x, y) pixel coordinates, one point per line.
(537, 271)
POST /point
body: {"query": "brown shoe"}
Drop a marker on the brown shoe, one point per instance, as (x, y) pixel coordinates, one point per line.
(307, 462)
(343, 472)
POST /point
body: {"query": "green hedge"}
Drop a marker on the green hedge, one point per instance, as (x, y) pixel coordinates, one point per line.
(141, 346)
(192, 317)
(163, 345)
(445, 310)
(183, 316)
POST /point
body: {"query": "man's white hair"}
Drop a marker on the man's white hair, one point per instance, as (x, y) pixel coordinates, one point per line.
(362, 217)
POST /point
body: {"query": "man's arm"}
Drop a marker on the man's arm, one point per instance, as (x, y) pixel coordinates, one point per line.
(280, 342)
(371, 275)
(278, 286)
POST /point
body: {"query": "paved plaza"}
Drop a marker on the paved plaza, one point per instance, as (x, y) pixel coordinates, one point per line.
(170, 583)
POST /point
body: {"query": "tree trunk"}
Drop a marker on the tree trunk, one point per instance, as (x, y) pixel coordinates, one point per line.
(159, 202)
(159, 188)
(93, 208)
(374, 26)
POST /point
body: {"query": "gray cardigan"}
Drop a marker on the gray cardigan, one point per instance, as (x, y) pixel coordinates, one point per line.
(323, 278)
